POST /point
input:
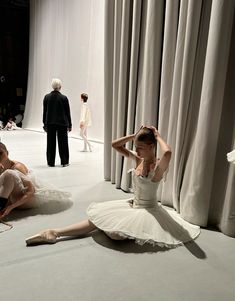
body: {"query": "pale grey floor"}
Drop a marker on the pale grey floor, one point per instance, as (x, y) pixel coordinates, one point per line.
(96, 268)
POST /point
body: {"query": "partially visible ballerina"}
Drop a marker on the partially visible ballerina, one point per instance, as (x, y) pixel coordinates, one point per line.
(20, 188)
(11, 125)
(140, 218)
(15, 188)
(231, 157)
(85, 122)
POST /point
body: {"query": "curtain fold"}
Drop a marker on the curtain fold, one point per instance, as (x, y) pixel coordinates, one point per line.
(185, 57)
(197, 185)
(132, 91)
(227, 218)
(170, 64)
(66, 42)
(109, 121)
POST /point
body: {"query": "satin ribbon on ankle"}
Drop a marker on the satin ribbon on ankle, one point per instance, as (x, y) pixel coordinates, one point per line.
(10, 226)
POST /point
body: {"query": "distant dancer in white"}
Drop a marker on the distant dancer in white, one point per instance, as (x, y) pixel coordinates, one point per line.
(85, 121)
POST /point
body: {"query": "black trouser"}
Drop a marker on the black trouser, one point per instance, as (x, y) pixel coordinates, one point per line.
(62, 137)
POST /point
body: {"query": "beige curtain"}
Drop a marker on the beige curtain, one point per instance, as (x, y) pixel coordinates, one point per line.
(66, 42)
(172, 64)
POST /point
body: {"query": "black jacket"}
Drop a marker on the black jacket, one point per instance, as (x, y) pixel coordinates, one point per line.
(56, 110)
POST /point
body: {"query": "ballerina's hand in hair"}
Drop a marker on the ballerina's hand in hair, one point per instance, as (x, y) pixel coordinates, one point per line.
(139, 130)
(155, 131)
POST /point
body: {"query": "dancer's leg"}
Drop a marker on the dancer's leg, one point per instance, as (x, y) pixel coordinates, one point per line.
(83, 134)
(6, 184)
(50, 236)
(77, 229)
(115, 236)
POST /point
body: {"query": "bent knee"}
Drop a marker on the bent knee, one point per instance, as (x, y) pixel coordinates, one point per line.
(8, 175)
(115, 236)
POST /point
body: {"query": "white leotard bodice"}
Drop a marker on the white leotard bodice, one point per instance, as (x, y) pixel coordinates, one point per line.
(145, 190)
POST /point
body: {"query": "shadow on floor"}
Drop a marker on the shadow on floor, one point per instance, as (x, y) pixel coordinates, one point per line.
(125, 246)
(195, 250)
(129, 246)
(45, 209)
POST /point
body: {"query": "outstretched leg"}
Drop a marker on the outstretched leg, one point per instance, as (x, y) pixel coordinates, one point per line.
(80, 228)
(115, 236)
(50, 236)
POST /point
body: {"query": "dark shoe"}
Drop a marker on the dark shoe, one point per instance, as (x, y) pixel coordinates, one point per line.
(65, 165)
(50, 165)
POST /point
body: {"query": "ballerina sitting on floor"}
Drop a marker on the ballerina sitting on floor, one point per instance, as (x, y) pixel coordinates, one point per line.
(20, 188)
(11, 125)
(140, 218)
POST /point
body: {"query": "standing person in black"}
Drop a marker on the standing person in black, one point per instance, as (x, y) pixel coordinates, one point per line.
(57, 121)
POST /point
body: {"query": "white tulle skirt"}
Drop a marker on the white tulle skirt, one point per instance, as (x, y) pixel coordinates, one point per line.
(45, 193)
(158, 225)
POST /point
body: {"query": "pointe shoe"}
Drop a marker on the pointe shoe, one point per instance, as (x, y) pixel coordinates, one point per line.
(44, 237)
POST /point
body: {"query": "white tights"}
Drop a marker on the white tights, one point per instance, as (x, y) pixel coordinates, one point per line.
(83, 134)
(7, 183)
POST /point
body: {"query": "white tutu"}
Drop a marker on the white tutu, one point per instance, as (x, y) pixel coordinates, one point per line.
(142, 218)
(45, 193)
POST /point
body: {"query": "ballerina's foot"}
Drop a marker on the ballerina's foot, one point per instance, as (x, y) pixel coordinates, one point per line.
(44, 237)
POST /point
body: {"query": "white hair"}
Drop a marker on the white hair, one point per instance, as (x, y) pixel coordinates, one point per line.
(56, 83)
